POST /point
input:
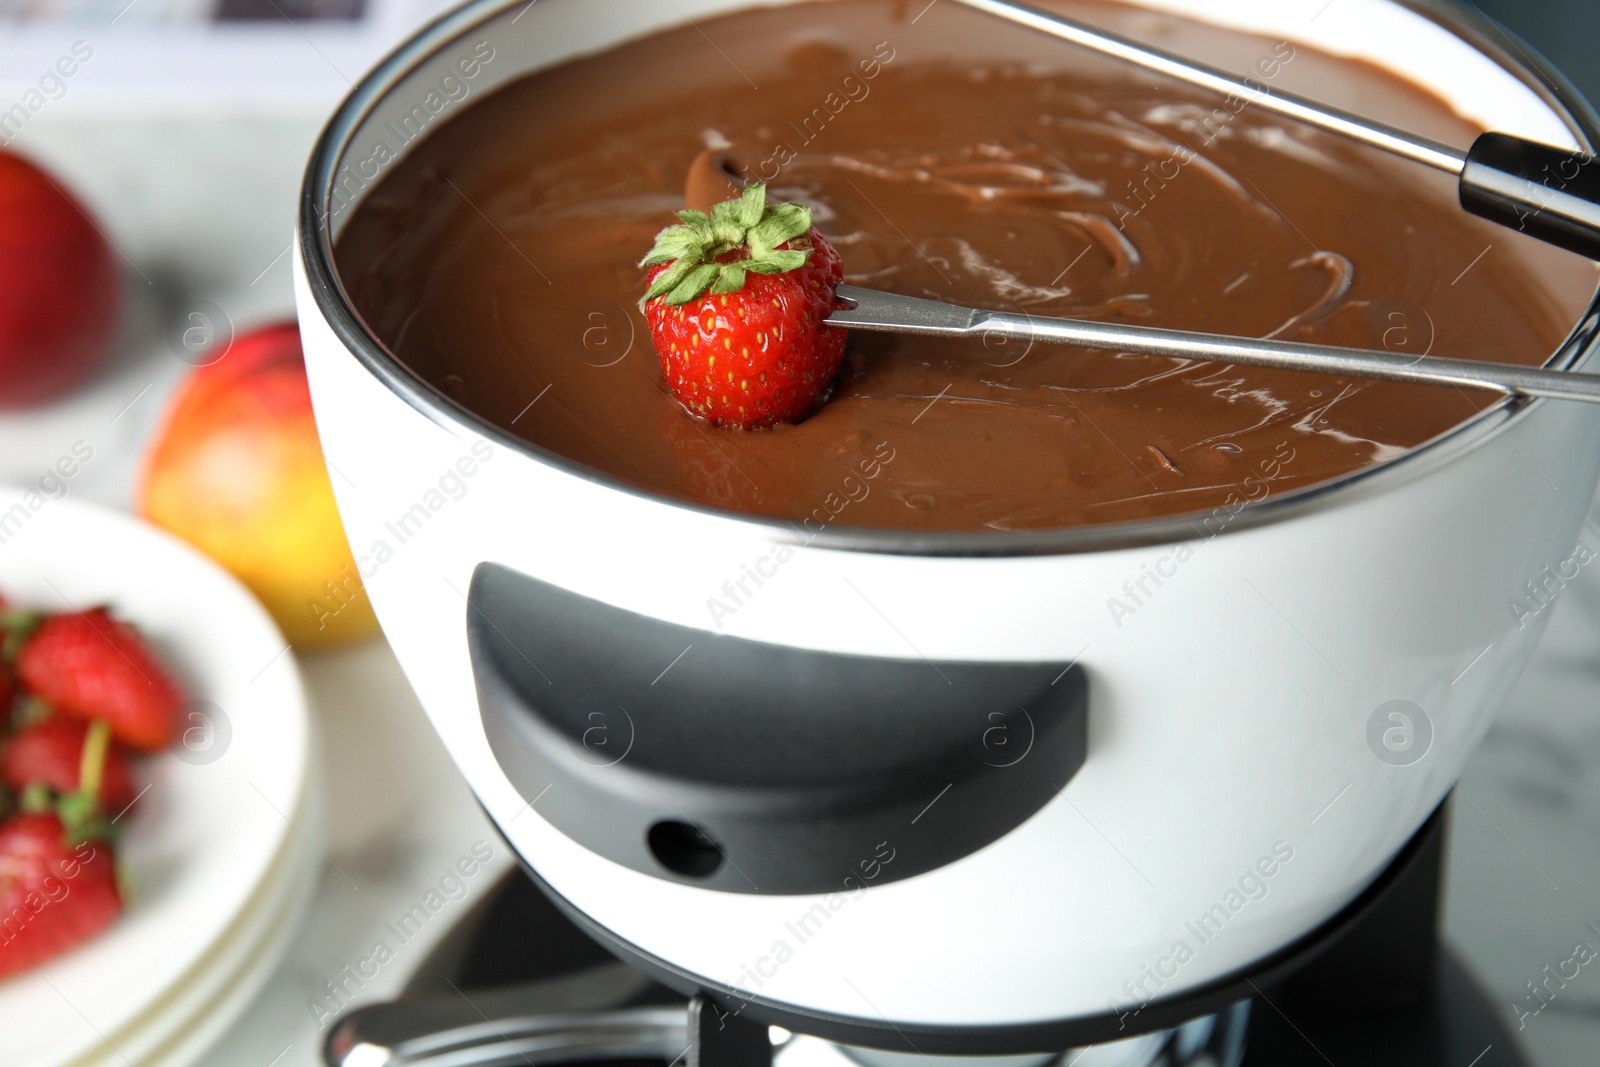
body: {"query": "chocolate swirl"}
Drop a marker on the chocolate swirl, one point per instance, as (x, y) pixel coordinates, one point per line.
(961, 158)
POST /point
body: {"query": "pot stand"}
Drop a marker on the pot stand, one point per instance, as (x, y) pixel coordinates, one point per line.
(1386, 991)
(516, 978)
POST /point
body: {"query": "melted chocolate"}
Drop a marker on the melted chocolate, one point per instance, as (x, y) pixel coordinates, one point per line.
(957, 157)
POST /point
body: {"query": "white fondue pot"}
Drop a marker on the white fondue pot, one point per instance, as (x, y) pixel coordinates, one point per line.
(954, 791)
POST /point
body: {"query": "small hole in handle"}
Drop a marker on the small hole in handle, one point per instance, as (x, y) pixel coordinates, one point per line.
(684, 849)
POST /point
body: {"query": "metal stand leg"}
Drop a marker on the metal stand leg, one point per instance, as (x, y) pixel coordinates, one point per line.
(722, 1039)
(1386, 992)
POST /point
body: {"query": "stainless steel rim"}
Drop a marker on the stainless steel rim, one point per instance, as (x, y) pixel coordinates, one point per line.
(316, 251)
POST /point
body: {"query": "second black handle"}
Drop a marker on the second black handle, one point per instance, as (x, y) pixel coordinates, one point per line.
(1546, 192)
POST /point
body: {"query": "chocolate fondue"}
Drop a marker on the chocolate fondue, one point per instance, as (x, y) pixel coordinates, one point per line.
(955, 156)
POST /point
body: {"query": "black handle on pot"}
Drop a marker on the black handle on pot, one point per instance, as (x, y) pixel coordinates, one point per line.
(750, 767)
(1549, 193)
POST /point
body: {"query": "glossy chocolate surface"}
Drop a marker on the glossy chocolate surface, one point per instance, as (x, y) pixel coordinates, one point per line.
(955, 156)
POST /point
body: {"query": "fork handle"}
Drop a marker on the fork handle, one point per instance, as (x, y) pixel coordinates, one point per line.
(1549, 193)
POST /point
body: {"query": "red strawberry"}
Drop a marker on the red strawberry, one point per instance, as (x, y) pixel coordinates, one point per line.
(53, 895)
(736, 305)
(90, 666)
(51, 752)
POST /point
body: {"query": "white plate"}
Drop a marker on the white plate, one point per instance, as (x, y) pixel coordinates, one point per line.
(183, 1026)
(191, 1040)
(206, 835)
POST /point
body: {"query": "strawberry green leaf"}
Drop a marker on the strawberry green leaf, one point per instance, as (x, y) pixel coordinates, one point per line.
(694, 285)
(670, 245)
(752, 205)
(29, 710)
(15, 629)
(79, 811)
(778, 262)
(795, 219)
(75, 809)
(776, 230)
(670, 278)
(94, 828)
(727, 231)
(730, 280)
(35, 798)
(716, 252)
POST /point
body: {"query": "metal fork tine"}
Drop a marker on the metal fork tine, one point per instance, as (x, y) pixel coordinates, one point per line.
(872, 309)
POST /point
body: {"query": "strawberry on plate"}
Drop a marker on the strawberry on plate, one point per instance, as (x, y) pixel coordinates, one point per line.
(59, 883)
(54, 894)
(50, 754)
(736, 305)
(88, 665)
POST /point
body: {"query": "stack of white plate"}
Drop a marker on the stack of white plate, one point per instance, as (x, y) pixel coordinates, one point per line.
(222, 847)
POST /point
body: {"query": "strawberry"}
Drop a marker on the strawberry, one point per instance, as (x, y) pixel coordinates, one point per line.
(53, 894)
(51, 753)
(736, 304)
(90, 666)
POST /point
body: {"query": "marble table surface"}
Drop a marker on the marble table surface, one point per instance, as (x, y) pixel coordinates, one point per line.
(202, 209)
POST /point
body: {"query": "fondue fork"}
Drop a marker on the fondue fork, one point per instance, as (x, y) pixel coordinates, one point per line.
(1550, 193)
(871, 309)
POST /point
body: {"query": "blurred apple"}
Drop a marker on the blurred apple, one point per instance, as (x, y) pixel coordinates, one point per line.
(236, 470)
(59, 288)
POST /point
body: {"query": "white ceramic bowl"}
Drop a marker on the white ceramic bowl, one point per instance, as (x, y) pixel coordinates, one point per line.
(1232, 723)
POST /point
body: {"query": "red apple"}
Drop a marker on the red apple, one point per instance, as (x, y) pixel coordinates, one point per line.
(237, 471)
(59, 287)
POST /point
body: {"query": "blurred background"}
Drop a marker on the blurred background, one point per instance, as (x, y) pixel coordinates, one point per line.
(1566, 31)
(257, 49)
